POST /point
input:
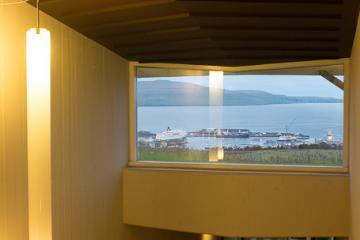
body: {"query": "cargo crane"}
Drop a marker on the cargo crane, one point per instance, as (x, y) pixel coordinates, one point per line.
(289, 125)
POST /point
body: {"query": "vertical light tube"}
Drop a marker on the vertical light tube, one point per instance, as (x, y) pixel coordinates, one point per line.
(38, 130)
(216, 89)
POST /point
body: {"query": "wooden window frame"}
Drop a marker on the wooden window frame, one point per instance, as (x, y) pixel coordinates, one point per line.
(133, 162)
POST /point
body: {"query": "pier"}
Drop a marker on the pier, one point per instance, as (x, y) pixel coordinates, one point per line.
(242, 133)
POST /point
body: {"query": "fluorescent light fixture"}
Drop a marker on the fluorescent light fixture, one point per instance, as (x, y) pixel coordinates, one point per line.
(38, 59)
(39, 133)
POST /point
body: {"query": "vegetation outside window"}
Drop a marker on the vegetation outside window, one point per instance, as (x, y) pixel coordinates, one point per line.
(289, 117)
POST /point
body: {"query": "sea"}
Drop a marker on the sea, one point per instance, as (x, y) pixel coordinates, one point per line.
(312, 119)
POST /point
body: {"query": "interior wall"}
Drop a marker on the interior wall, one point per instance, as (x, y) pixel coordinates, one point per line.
(355, 135)
(245, 204)
(89, 134)
(13, 132)
(89, 144)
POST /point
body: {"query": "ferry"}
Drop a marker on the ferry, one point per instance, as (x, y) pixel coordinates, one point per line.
(292, 139)
(287, 138)
(171, 137)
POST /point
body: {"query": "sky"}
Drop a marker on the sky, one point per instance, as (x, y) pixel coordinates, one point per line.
(290, 85)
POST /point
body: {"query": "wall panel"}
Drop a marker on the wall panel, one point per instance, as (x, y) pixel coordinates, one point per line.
(13, 132)
(355, 135)
(238, 203)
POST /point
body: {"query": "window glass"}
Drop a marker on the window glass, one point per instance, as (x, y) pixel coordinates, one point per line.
(277, 117)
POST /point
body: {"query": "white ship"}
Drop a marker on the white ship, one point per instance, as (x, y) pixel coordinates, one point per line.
(287, 138)
(290, 139)
(171, 137)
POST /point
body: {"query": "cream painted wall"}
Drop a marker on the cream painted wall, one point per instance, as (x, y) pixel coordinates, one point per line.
(245, 204)
(89, 135)
(355, 135)
(13, 143)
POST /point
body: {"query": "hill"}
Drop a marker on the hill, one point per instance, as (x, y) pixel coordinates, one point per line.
(171, 93)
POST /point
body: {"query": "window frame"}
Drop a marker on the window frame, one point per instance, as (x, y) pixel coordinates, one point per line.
(133, 162)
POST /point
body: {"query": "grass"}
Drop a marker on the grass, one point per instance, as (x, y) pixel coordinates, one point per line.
(315, 157)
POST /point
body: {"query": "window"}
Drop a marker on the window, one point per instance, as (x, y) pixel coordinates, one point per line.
(292, 117)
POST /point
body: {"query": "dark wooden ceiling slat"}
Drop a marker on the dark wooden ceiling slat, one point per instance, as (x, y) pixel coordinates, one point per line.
(140, 28)
(177, 26)
(267, 7)
(182, 37)
(268, 21)
(193, 43)
(232, 49)
(271, 28)
(163, 35)
(338, 2)
(153, 11)
(206, 58)
(216, 32)
(206, 42)
(232, 61)
(297, 34)
(236, 15)
(138, 21)
(237, 53)
(115, 8)
(142, 35)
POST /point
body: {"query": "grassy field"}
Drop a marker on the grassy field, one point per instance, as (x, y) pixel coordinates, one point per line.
(318, 157)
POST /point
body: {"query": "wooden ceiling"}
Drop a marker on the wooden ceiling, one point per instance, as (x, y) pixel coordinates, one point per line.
(214, 32)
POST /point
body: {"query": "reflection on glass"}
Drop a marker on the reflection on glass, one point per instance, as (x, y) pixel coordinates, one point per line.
(277, 117)
(216, 84)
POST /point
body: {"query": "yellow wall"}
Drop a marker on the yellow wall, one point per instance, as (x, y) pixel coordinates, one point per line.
(89, 134)
(13, 132)
(355, 135)
(238, 203)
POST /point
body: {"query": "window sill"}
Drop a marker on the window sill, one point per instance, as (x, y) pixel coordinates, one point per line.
(240, 167)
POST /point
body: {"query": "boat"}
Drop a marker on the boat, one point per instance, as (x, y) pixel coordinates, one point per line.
(171, 137)
(287, 138)
(291, 139)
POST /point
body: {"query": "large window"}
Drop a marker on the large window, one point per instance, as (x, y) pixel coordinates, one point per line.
(289, 117)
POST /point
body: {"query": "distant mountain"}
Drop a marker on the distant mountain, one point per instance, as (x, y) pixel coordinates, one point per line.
(171, 93)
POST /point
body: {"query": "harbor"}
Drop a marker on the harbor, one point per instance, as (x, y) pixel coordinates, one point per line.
(229, 138)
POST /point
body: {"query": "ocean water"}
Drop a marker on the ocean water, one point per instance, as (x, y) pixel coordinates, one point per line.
(313, 119)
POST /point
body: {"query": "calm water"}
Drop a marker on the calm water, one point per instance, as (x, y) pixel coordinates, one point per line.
(313, 119)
